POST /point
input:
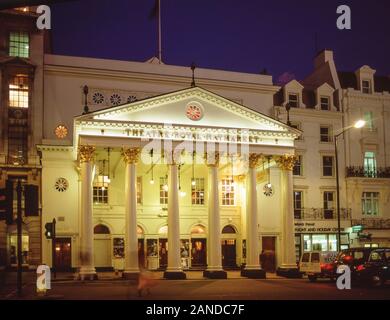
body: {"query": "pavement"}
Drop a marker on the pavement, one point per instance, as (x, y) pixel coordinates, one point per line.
(111, 286)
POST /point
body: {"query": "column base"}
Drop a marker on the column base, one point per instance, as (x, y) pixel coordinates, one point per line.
(289, 272)
(218, 274)
(87, 275)
(253, 273)
(130, 275)
(175, 275)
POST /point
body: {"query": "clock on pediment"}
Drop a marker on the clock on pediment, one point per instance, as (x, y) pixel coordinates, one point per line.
(194, 111)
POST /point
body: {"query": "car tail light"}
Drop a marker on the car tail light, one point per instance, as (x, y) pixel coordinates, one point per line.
(326, 266)
(360, 267)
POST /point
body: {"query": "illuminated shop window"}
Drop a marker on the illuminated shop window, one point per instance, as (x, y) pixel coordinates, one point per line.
(13, 249)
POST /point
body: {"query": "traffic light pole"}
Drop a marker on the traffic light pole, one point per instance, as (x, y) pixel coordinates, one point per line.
(53, 249)
(19, 231)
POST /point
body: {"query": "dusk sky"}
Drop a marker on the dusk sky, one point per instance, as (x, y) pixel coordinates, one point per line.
(246, 35)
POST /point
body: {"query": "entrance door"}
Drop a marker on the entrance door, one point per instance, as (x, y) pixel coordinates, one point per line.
(63, 254)
(141, 253)
(163, 252)
(229, 253)
(102, 252)
(268, 255)
(198, 252)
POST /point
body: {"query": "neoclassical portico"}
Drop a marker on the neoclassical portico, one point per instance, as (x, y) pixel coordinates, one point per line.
(174, 126)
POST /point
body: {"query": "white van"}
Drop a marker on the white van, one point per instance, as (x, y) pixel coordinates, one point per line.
(318, 264)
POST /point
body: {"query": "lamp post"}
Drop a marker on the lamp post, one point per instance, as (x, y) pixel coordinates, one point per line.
(358, 124)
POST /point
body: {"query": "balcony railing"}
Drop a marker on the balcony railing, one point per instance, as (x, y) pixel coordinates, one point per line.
(361, 172)
(321, 214)
(372, 223)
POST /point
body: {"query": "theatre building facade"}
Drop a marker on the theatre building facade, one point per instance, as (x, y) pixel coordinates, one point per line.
(182, 180)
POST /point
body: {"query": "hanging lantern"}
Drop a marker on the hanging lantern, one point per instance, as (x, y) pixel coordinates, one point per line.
(268, 189)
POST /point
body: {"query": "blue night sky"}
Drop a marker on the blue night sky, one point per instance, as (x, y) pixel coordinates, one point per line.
(237, 35)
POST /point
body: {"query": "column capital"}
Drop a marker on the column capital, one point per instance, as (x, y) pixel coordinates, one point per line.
(254, 160)
(286, 162)
(131, 155)
(212, 159)
(86, 153)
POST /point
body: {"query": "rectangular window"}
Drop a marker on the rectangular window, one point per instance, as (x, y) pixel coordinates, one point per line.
(328, 204)
(163, 190)
(369, 120)
(18, 92)
(325, 134)
(370, 164)
(228, 192)
(297, 170)
(366, 86)
(198, 191)
(325, 103)
(298, 204)
(327, 166)
(139, 190)
(100, 195)
(19, 44)
(293, 100)
(370, 203)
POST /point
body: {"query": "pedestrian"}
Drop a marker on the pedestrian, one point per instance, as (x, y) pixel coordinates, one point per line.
(146, 281)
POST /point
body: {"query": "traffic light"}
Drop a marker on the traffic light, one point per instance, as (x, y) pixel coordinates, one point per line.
(49, 230)
(6, 203)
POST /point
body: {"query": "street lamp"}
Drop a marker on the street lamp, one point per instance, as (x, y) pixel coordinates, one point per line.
(358, 124)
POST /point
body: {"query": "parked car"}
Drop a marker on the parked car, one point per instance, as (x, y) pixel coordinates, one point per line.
(318, 264)
(367, 265)
(376, 271)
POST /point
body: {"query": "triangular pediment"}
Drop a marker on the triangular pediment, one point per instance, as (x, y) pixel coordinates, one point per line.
(189, 107)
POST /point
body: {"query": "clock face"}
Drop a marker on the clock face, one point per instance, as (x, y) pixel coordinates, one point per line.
(194, 111)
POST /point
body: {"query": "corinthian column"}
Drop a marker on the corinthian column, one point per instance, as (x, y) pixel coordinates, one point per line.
(87, 267)
(288, 267)
(252, 268)
(214, 257)
(130, 156)
(174, 268)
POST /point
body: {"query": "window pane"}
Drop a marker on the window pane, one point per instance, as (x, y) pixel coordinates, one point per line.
(198, 191)
(19, 44)
(228, 190)
(293, 100)
(327, 166)
(325, 105)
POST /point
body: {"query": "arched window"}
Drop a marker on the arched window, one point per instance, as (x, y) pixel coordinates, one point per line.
(163, 230)
(198, 229)
(101, 229)
(140, 231)
(228, 229)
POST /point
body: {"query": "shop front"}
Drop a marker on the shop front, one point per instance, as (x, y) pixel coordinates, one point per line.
(319, 236)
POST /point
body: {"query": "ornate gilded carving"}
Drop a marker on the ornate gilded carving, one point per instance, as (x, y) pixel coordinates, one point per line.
(212, 159)
(287, 161)
(131, 155)
(254, 160)
(86, 153)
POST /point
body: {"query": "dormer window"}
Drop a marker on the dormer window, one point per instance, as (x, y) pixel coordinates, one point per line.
(325, 103)
(366, 86)
(293, 100)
